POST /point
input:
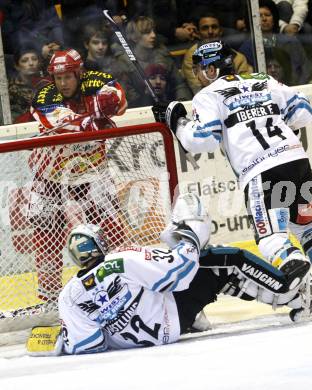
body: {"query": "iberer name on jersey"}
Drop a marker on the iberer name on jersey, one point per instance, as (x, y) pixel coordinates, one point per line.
(246, 114)
(255, 112)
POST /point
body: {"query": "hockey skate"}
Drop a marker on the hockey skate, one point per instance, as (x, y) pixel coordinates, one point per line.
(201, 323)
(305, 294)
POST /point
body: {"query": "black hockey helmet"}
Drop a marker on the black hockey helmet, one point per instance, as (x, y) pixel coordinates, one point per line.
(217, 53)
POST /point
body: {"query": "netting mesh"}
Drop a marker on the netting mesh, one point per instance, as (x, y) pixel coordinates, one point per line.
(118, 183)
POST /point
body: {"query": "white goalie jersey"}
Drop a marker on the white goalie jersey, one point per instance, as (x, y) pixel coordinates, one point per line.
(127, 300)
(253, 116)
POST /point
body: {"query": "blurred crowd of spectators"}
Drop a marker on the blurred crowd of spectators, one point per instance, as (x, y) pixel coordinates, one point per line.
(163, 35)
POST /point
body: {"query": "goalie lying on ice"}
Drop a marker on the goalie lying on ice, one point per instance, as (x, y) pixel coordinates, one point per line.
(140, 296)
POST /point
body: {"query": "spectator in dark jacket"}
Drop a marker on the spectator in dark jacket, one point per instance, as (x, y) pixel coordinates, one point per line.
(34, 21)
(76, 14)
(173, 19)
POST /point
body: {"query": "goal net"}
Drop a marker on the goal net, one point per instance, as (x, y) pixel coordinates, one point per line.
(121, 179)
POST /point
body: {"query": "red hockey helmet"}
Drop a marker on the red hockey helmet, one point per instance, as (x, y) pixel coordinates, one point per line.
(64, 61)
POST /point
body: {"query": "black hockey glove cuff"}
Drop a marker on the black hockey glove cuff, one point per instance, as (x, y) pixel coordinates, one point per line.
(175, 110)
(159, 111)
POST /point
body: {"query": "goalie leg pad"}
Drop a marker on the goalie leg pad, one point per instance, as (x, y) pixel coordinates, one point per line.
(247, 266)
(249, 277)
(45, 341)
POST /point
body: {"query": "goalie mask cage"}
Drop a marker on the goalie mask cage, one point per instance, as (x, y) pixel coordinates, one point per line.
(122, 179)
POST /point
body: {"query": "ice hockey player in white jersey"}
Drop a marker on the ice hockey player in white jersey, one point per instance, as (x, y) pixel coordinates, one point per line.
(254, 117)
(142, 296)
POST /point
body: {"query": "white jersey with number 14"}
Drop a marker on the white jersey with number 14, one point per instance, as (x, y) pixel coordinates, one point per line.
(253, 117)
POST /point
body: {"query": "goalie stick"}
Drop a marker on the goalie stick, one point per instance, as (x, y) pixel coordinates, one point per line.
(140, 71)
(29, 310)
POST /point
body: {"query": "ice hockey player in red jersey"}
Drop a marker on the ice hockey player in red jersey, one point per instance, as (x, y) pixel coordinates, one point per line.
(254, 118)
(75, 101)
(143, 296)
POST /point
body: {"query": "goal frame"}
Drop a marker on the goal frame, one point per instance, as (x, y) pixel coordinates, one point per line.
(43, 141)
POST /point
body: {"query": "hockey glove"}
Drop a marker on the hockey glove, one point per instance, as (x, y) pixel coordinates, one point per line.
(175, 110)
(159, 111)
(105, 103)
(108, 103)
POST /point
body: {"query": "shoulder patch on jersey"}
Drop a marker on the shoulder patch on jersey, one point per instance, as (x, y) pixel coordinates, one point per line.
(89, 282)
(257, 76)
(230, 77)
(48, 108)
(110, 267)
(47, 96)
(93, 80)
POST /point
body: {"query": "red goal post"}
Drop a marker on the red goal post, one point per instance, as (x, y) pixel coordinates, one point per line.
(121, 178)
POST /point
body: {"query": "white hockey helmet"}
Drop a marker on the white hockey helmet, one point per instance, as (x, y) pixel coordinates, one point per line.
(86, 242)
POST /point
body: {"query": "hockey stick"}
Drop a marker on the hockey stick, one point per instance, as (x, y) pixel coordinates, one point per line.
(29, 310)
(140, 71)
(60, 126)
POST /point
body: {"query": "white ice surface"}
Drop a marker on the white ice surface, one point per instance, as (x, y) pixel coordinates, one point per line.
(231, 356)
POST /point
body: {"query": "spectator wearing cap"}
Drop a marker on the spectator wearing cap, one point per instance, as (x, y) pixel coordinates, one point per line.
(210, 29)
(158, 77)
(24, 82)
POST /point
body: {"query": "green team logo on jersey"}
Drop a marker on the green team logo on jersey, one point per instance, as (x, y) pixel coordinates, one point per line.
(115, 266)
(257, 76)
